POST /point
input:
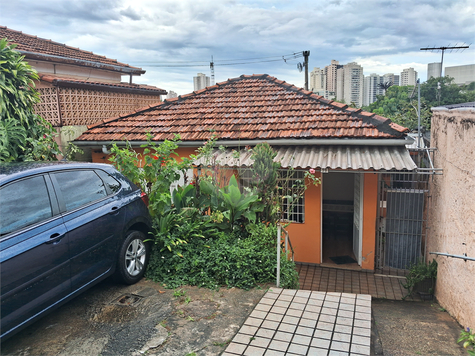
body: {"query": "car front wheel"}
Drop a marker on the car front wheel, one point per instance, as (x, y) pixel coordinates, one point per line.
(133, 258)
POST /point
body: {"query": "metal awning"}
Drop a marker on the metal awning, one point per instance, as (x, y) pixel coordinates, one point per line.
(377, 158)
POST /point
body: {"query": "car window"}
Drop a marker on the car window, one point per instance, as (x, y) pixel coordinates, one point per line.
(80, 187)
(111, 182)
(24, 203)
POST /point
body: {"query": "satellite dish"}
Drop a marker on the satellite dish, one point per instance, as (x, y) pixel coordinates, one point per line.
(300, 67)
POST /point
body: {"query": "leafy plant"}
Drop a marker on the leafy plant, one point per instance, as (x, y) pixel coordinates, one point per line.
(418, 272)
(468, 339)
(24, 136)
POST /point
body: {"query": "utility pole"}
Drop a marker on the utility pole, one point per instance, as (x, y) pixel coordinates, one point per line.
(442, 49)
(306, 54)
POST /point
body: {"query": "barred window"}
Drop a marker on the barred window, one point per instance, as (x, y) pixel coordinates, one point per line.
(291, 183)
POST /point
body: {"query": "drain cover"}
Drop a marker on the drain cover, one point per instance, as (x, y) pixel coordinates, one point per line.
(128, 299)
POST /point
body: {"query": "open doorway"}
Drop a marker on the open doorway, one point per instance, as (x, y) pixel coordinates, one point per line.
(338, 219)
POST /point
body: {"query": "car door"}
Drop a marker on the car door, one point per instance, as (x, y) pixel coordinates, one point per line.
(93, 218)
(34, 251)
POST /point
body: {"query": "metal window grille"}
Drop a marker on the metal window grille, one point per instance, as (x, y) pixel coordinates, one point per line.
(293, 202)
(290, 184)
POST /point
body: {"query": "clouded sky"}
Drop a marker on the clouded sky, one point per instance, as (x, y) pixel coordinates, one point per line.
(383, 36)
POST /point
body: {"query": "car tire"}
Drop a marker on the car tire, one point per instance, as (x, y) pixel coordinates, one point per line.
(133, 258)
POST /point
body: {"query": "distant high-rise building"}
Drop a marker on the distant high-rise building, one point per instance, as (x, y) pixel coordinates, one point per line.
(350, 83)
(372, 88)
(330, 72)
(408, 77)
(318, 80)
(201, 81)
(464, 74)
(171, 94)
(390, 77)
(433, 70)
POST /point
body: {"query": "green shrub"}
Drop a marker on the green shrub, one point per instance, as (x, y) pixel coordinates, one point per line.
(228, 259)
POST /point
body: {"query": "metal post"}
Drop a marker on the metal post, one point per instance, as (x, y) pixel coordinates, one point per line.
(279, 232)
(305, 55)
(418, 114)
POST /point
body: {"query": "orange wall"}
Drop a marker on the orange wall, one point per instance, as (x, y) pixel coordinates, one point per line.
(306, 237)
(370, 208)
(99, 157)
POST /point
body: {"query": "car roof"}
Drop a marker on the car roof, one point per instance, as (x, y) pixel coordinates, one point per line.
(10, 171)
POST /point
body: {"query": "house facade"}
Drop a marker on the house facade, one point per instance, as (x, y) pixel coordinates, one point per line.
(79, 88)
(352, 151)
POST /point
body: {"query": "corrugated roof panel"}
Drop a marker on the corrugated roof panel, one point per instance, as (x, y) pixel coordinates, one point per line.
(376, 158)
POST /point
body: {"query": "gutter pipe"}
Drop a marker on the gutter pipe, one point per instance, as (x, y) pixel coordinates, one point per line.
(278, 142)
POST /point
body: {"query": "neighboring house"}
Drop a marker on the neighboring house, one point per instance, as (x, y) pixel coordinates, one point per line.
(452, 211)
(79, 88)
(354, 152)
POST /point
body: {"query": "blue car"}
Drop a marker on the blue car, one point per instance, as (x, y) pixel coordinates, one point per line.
(63, 228)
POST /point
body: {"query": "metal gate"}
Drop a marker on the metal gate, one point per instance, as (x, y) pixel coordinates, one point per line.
(402, 218)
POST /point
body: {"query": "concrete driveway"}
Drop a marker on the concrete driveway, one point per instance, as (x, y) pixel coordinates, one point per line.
(112, 319)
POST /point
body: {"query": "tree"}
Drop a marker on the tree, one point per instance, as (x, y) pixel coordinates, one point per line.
(398, 105)
(385, 86)
(24, 136)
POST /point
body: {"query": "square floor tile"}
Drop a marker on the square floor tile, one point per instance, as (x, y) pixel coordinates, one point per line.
(313, 308)
(323, 334)
(343, 329)
(344, 321)
(338, 353)
(289, 319)
(254, 351)
(297, 306)
(363, 316)
(297, 349)
(318, 342)
(274, 353)
(278, 345)
(302, 330)
(310, 315)
(248, 329)
(301, 339)
(242, 338)
(289, 292)
(362, 331)
(266, 333)
(341, 337)
(267, 301)
(260, 341)
(294, 312)
(329, 311)
(316, 302)
(274, 317)
(301, 300)
(340, 346)
(309, 323)
(313, 351)
(236, 348)
(347, 307)
(346, 313)
(286, 297)
(258, 314)
(362, 309)
(318, 295)
(283, 336)
(325, 326)
(290, 328)
(253, 322)
(360, 349)
(328, 304)
(303, 293)
(362, 323)
(278, 310)
(269, 324)
(282, 303)
(327, 318)
(263, 307)
(361, 340)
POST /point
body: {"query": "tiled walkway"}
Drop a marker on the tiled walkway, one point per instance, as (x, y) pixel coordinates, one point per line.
(324, 279)
(302, 322)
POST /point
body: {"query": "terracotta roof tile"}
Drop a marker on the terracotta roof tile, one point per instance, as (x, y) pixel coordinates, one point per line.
(61, 52)
(248, 107)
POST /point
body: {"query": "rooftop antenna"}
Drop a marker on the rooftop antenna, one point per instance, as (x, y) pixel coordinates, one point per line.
(443, 49)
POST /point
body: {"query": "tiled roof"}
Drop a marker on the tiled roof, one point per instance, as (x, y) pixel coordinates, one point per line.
(109, 86)
(257, 107)
(40, 48)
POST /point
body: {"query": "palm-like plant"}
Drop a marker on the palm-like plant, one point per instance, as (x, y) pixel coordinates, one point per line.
(385, 86)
